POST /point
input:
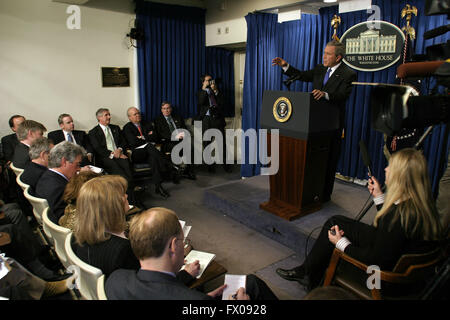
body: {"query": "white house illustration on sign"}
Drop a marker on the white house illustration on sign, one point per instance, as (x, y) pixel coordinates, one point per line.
(370, 42)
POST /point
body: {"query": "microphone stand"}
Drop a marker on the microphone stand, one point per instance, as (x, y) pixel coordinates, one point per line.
(416, 146)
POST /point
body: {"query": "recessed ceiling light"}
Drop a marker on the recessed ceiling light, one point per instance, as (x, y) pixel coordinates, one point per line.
(328, 1)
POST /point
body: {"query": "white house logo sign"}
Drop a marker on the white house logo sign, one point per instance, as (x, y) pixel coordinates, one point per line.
(373, 46)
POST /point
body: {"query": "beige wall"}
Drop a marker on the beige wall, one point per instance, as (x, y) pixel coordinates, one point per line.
(48, 69)
(231, 14)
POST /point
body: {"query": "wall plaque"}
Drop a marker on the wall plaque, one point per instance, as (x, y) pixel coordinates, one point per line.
(115, 77)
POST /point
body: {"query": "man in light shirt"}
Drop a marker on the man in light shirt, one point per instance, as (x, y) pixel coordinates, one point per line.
(108, 145)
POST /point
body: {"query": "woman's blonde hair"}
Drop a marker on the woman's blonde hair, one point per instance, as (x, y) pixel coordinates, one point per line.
(100, 209)
(408, 186)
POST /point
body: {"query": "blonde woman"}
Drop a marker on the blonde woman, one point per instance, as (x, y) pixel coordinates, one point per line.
(100, 230)
(407, 222)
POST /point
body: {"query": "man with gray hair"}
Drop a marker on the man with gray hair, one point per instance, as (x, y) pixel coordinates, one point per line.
(63, 163)
(27, 132)
(109, 146)
(39, 153)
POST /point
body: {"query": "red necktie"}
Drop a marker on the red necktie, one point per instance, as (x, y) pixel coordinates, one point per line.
(139, 128)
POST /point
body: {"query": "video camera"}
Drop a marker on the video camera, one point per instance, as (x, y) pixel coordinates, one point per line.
(392, 106)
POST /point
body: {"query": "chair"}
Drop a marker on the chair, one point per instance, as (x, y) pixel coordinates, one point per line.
(58, 235)
(88, 275)
(17, 171)
(139, 169)
(38, 204)
(408, 275)
(20, 183)
(101, 288)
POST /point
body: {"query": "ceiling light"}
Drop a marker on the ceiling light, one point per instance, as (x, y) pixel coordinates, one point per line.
(329, 1)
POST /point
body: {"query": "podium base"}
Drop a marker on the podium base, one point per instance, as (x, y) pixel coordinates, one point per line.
(288, 212)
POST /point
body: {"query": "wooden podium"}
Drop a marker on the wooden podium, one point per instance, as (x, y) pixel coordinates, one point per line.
(304, 143)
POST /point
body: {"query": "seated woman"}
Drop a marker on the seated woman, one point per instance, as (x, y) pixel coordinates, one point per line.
(70, 197)
(407, 222)
(100, 229)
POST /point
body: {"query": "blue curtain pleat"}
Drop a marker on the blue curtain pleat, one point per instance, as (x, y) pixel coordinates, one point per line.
(173, 56)
(171, 59)
(301, 43)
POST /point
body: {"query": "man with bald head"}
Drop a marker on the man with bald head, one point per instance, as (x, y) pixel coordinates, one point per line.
(141, 138)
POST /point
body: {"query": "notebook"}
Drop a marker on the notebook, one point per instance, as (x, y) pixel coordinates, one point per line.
(204, 259)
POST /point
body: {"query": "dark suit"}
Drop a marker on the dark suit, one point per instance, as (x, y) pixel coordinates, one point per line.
(148, 285)
(339, 88)
(115, 165)
(149, 153)
(9, 144)
(21, 156)
(164, 135)
(32, 174)
(154, 285)
(51, 187)
(8, 180)
(163, 131)
(215, 119)
(81, 138)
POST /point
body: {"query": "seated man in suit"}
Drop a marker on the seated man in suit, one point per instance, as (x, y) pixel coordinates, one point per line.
(27, 132)
(108, 145)
(10, 141)
(39, 152)
(140, 134)
(68, 133)
(63, 162)
(165, 124)
(161, 256)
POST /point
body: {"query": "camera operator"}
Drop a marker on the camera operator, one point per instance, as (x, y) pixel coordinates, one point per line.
(210, 106)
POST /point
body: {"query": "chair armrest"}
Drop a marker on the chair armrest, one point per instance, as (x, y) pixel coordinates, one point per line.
(337, 255)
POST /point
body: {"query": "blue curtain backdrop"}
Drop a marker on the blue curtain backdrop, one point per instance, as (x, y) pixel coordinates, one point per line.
(301, 43)
(259, 75)
(173, 56)
(171, 59)
(220, 65)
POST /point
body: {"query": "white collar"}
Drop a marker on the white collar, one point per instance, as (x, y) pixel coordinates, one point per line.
(102, 126)
(333, 69)
(51, 169)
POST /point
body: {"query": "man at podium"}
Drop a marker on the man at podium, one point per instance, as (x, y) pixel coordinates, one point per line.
(332, 81)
